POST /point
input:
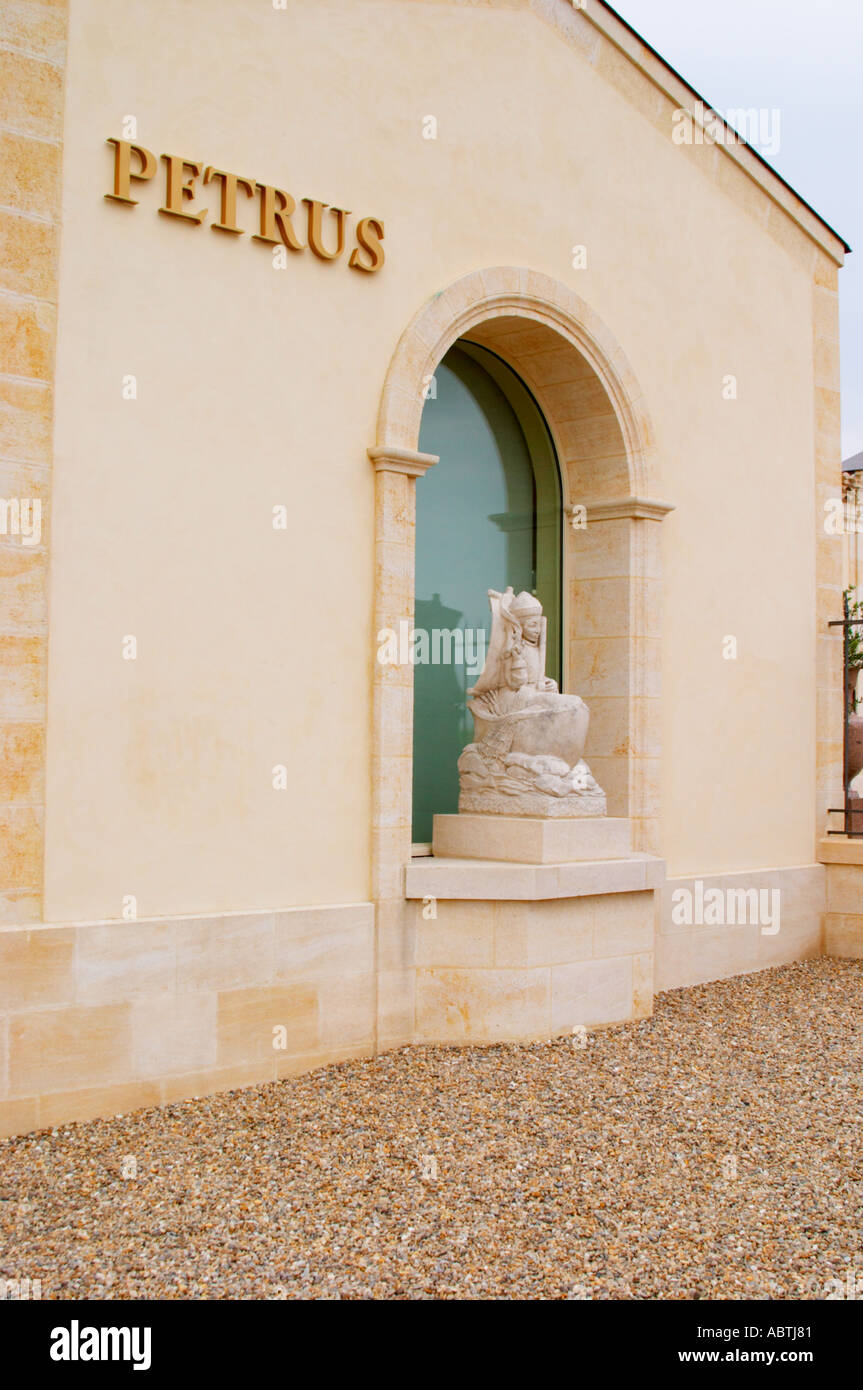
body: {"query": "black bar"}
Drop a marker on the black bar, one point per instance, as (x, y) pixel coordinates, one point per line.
(252, 1338)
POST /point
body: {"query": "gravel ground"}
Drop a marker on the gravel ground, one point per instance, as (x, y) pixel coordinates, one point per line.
(712, 1151)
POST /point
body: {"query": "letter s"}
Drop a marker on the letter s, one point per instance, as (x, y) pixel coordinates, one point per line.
(370, 234)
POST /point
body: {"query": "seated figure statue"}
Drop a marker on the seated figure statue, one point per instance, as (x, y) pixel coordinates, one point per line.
(528, 738)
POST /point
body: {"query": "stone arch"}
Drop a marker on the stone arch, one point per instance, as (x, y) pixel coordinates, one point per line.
(500, 307)
(607, 453)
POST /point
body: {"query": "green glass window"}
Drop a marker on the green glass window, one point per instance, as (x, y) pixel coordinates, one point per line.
(488, 515)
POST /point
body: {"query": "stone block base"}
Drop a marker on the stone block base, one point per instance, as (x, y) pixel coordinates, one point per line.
(530, 839)
(526, 971)
(843, 923)
(843, 935)
(99, 1018)
(692, 952)
(102, 1017)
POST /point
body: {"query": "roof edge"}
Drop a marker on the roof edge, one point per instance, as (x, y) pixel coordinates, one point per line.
(615, 28)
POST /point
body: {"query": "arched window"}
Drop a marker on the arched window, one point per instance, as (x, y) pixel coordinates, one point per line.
(487, 515)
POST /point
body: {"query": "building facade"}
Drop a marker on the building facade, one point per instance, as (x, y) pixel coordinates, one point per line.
(241, 239)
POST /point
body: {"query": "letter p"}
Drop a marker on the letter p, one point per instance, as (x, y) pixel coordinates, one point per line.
(123, 171)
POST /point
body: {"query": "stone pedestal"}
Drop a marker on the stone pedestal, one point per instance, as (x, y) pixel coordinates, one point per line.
(528, 928)
(530, 839)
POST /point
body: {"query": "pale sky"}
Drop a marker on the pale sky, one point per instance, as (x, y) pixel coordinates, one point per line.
(807, 61)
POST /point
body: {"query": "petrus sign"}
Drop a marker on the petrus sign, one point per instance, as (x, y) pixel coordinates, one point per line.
(279, 220)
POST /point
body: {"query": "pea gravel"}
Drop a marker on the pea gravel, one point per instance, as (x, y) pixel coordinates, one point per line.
(712, 1151)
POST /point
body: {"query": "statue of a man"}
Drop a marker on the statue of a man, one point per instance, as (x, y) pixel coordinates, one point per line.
(528, 738)
(514, 672)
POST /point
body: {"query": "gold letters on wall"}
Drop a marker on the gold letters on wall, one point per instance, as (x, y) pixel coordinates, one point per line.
(325, 234)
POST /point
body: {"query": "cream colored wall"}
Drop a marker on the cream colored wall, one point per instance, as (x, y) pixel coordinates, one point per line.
(258, 386)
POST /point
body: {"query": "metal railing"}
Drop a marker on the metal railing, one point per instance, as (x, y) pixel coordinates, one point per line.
(852, 659)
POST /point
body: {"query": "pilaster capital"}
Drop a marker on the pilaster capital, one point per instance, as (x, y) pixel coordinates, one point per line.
(639, 508)
(391, 460)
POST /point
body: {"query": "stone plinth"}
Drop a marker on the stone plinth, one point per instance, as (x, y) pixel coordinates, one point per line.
(537, 941)
(530, 840)
(524, 971)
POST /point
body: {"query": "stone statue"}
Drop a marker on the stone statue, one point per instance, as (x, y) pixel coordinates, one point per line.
(528, 738)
